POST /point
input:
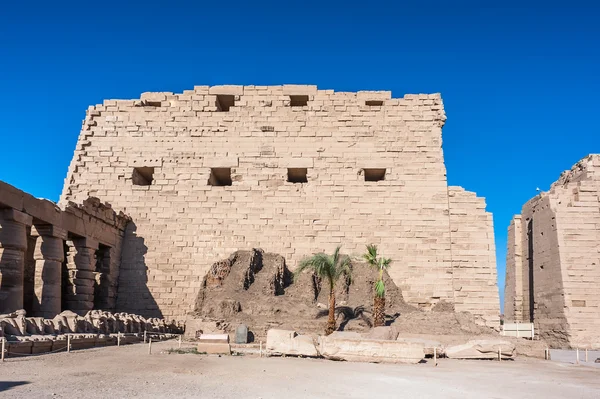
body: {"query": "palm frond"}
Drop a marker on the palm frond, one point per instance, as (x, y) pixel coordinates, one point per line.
(380, 289)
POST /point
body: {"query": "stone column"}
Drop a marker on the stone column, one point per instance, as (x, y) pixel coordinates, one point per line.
(49, 255)
(13, 243)
(81, 265)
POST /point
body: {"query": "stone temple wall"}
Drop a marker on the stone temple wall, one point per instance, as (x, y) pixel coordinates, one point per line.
(553, 260)
(292, 170)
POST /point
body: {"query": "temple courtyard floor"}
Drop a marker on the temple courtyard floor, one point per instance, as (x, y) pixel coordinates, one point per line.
(129, 371)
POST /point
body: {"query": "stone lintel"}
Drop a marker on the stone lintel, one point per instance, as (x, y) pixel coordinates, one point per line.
(48, 230)
(227, 89)
(86, 242)
(295, 90)
(373, 95)
(16, 216)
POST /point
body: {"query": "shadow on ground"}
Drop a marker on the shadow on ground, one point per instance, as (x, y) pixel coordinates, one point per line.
(7, 385)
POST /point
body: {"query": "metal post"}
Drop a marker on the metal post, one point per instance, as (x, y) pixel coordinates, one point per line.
(150, 346)
(3, 347)
(260, 353)
(435, 356)
(546, 354)
(68, 343)
(180, 341)
(144, 336)
(577, 351)
(499, 354)
(586, 355)
(118, 339)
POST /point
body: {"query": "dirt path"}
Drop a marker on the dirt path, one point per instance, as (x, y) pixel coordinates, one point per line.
(130, 372)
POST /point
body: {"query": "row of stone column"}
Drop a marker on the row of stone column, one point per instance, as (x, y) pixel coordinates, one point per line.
(49, 297)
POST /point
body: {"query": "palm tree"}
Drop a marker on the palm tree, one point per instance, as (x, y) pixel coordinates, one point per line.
(380, 264)
(330, 267)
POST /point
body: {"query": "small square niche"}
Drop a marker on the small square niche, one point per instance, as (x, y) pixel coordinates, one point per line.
(224, 102)
(142, 176)
(220, 177)
(374, 103)
(297, 175)
(377, 174)
(298, 101)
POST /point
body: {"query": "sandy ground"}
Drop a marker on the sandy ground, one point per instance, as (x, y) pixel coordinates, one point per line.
(130, 372)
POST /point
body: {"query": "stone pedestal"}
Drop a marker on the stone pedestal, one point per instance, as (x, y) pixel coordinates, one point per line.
(48, 255)
(81, 265)
(13, 243)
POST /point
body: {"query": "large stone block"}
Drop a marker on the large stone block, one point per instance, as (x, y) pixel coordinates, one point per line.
(287, 342)
(370, 350)
(481, 349)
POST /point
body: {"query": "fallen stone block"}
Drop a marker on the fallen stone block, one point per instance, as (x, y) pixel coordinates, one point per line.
(287, 342)
(214, 338)
(427, 344)
(345, 334)
(370, 350)
(214, 344)
(481, 349)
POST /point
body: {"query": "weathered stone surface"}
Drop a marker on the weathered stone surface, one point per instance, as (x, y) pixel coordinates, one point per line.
(553, 258)
(370, 350)
(241, 334)
(481, 349)
(214, 348)
(427, 344)
(287, 342)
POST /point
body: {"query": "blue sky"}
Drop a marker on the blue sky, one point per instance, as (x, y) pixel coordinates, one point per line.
(520, 80)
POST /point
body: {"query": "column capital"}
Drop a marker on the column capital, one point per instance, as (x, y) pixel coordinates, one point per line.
(16, 216)
(86, 242)
(48, 230)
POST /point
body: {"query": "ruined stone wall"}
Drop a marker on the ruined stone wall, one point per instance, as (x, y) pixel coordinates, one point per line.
(182, 223)
(49, 256)
(474, 276)
(560, 258)
(513, 287)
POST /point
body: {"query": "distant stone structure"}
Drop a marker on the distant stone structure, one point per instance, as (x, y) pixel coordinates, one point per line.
(553, 260)
(289, 169)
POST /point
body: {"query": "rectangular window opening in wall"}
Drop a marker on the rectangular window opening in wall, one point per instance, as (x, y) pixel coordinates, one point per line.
(297, 175)
(142, 176)
(220, 177)
(377, 174)
(298, 101)
(224, 102)
(374, 103)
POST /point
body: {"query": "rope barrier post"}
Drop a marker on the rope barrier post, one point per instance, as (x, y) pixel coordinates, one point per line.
(577, 352)
(435, 356)
(68, 343)
(3, 347)
(180, 342)
(586, 355)
(150, 346)
(119, 339)
(499, 354)
(546, 354)
(260, 353)
(145, 336)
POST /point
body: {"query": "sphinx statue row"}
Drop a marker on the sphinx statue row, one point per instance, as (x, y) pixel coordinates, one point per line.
(16, 324)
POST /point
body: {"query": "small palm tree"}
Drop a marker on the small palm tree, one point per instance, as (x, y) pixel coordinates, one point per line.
(331, 268)
(380, 264)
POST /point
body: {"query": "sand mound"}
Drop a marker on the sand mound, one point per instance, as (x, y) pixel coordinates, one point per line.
(256, 288)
